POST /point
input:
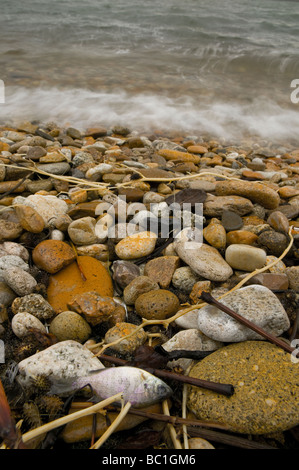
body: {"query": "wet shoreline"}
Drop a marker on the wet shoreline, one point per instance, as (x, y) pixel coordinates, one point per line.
(73, 290)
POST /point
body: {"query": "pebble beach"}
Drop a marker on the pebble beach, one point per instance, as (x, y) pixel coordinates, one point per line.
(73, 289)
(149, 227)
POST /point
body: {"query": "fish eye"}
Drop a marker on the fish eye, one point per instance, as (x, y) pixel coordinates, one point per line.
(162, 389)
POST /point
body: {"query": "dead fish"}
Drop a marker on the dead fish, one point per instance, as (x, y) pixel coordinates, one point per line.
(138, 386)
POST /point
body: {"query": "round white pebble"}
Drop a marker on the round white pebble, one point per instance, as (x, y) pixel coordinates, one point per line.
(22, 322)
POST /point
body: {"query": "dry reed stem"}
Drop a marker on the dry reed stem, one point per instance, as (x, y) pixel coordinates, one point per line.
(102, 185)
(177, 444)
(184, 408)
(69, 418)
(112, 427)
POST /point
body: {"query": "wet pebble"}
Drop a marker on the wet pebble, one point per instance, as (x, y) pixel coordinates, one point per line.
(126, 345)
(273, 242)
(204, 260)
(245, 257)
(157, 304)
(136, 246)
(255, 303)
(138, 286)
(53, 255)
(63, 361)
(231, 221)
(20, 281)
(35, 304)
(215, 205)
(70, 326)
(215, 234)
(237, 237)
(278, 221)
(275, 408)
(23, 321)
(256, 192)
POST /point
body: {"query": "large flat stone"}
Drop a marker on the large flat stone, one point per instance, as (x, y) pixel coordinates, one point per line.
(266, 392)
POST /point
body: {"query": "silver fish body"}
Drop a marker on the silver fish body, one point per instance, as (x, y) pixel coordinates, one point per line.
(138, 386)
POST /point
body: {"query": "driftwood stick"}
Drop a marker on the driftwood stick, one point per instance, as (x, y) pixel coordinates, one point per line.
(227, 439)
(175, 420)
(224, 389)
(206, 297)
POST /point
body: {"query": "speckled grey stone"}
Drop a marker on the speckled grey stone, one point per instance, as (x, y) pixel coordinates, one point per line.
(204, 260)
(255, 303)
(11, 261)
(21, 282)
(62, 361)
(184, 279)
(34, 304)
(191, 340)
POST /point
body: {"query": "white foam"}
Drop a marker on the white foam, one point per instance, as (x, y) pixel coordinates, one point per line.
(82, 108)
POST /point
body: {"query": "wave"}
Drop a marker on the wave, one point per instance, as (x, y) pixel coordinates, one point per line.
(147, 112)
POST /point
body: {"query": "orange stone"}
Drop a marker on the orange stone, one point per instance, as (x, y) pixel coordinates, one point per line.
(53, 255)
(4, 146)
(198, 288)
(215, 235)
(96, 132)
(71, 281)
(216, 160)
(253, 220)
(181, 156)
(161, 269)
(29, 218)
(88, 141)
(197, 149)
(240, 237)
(288, 191)
(252, 175)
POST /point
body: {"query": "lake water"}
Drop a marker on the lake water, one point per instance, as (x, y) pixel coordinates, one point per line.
(206, 66)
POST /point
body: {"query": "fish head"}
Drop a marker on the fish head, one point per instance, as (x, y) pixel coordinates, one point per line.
(150, 391)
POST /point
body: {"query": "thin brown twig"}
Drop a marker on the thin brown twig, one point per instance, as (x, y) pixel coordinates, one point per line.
(223, 389)
(20, 182)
